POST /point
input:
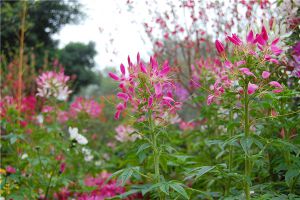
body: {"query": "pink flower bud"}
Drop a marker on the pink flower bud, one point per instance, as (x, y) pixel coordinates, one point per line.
(113, 76)
(10, 170)
(219, 46)
(251, 88)
(250, 37)
(122, 68)
(265, 74)
(246, 71)
(264, 33)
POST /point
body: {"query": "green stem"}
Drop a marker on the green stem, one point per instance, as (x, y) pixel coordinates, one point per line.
(247, 134)
(49, 182)
(227, 187)
(156, 159)
(155, 152)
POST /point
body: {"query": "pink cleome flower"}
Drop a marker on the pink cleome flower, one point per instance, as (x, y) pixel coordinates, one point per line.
(146, 87)
(124, 133)
(89, 106)
(53, 84)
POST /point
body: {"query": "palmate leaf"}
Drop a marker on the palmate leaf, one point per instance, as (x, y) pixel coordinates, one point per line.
(164, 187)
(123, 175)
(126, 174)
(143, 147)
(246, 143)
(178, 187)
(199, 171)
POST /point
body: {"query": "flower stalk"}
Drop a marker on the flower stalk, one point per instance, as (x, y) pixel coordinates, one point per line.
(247, 134)
(21, 52)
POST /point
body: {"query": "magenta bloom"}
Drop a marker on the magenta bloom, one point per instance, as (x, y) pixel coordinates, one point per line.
(235, 40)
(210, 99)
(246, 71)
(250, 37)
(186, 126)
(219, 46)
(62, 167)
(277, 85)
(251, 88)
(89, 106)
(146, 87)
(103, 190)
(265, 74)
(10, 170)
(62, 116)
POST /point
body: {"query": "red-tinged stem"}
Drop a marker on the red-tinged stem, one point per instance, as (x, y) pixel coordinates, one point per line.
(247, 134)
(21, 52)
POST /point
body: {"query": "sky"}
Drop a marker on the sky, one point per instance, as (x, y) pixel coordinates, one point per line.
(112, 29)
(117, 30)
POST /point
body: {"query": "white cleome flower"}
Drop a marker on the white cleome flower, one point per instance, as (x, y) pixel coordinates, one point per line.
(87, 154)
(74, 135)
(24, 156)
(81, 139)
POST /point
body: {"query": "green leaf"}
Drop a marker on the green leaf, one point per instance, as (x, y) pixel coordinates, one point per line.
(291, 173)
(164, 187)
(178, 188)
(143, 147)
(123, 178)
(246, 143)
(199, 171)
(149, 188)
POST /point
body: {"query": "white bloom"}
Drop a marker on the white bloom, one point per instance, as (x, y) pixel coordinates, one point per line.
(53, 84)
(63, 94)
(87, 154)
(40, 119)
(24, 156)
(74, 135)
(81, 139)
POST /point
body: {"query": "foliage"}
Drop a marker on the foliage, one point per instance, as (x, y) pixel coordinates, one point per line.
(140, 135)
(78, 61)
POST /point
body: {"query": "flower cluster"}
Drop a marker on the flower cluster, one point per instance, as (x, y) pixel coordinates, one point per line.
(75, 136)
(125, 133)
(187, 126)
(103, 190)
(148, 88)
(89, 106)
(255, 48)
(53, 84)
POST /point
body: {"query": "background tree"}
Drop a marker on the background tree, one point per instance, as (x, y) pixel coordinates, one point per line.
(78, 60)
(43, 19)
